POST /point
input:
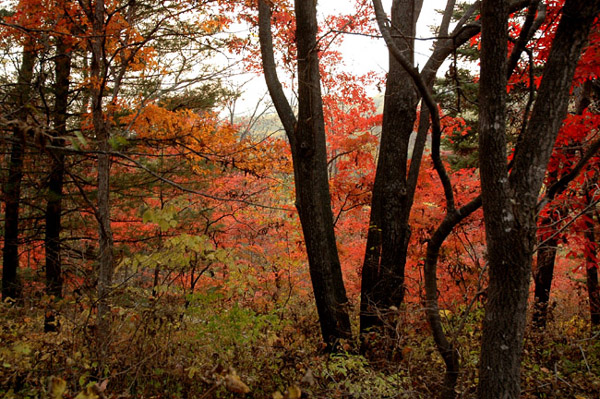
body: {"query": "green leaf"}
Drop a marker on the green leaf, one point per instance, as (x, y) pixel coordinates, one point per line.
(22, 348)
(81, 139)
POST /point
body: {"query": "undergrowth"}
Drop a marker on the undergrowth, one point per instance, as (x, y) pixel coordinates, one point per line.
(211, 347)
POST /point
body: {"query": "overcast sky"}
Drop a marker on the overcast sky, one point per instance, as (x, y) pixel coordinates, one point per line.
(361, 54)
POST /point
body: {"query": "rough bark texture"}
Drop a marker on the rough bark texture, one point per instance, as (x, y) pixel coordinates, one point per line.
(389, 232)
(508, 255)
(443, 47)
(54, 278)
(104, 266)
(307, 141)
(453, 217)
(510, 204)
(11, 286)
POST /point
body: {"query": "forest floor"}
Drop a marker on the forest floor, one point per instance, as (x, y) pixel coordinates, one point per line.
(214, 348)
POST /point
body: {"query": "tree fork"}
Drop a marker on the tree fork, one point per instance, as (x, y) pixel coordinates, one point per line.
(510, 201)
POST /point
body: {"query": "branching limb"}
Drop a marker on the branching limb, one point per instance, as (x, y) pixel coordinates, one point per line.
(427, 98)
(561, 185)
(284, 110)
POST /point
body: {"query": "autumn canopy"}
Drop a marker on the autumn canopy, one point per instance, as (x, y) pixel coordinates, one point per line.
(429, 230)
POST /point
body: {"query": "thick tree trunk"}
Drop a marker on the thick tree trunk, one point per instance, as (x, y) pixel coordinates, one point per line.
(453, 217)
(389, 232)
(510, 204)
(312, 183)
(11, 286)
(307, 141)
(54, 278)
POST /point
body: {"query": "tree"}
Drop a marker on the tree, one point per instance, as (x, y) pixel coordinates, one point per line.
(54, 275)
(590, 219)
(306, 135)
(510, 200)
(11, 286)
(571, 160)
(389, 232)
(385, 256)
(453, 215)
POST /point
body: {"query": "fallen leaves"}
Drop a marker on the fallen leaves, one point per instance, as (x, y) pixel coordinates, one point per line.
(293, 392)
(234, 384)
(56, 387)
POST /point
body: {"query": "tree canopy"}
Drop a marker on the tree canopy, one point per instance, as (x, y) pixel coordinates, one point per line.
(354, 235)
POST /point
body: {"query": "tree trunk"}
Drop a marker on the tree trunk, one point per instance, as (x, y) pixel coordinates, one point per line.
(389, 232)
(510, 203)
(54, 278)
(424, 81)
(11, 286)
(546, 258)
(547, 249)
(308, 146)
(594, 295)
(592, 267)
(508, 244)
(445, 347)
(104, 265)
(313, 199)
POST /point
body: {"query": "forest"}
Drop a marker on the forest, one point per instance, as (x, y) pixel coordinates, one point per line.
(427, 231)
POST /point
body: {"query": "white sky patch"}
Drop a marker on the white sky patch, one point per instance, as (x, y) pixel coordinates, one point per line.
(361, 54)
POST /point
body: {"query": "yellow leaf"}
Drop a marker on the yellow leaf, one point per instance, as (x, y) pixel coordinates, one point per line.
(90, 392)
(293, 392)
(57, 387)
(234, 384)
(192, 371)
(277, 395)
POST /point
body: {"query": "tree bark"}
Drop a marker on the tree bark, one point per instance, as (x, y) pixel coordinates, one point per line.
(54, 278)
(308, 147)
(104, 265)
(547, 249)
(510, 203)
(445, 347)
(382, 284)
(593, 288)
(11, 285)
(453, 217)
(542, 278)
(394, 166)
